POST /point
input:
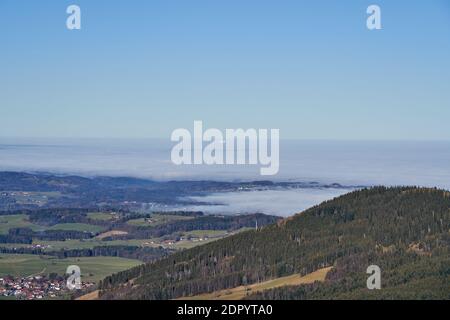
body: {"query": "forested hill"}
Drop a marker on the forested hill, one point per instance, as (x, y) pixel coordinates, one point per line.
(403, 230)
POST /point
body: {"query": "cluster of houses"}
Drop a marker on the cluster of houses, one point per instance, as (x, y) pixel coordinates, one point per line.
(28, 197)
(35, 287)
(39, 246)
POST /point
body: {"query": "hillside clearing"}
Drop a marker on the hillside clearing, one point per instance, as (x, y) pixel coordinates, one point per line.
(89, 296)
(111, 234)
(241, 292)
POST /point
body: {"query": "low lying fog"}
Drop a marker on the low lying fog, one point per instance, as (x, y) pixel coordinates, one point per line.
(344, 162)
(276, 202)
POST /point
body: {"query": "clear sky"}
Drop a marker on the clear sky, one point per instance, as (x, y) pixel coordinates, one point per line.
(144, 68)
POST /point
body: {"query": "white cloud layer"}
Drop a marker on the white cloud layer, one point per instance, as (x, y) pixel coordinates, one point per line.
(283, 203)
(350, 163)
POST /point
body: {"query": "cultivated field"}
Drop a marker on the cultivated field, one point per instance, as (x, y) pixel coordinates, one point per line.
(92, 268)
(102, 216)
(21, 221)
(16, 221)
(83, 227)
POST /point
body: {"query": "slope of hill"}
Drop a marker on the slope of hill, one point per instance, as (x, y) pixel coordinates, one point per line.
(244, 291)
(403, 230)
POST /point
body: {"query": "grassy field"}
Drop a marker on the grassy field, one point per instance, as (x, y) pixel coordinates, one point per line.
(205, 233)
(91, 243)
(102, 216)
(21, 221)
(16, 221)
(77, 227)
(156, 219)
(187, 244)
(212, 235)
(92, 268)
(78, 244)
(89, 296)
(206, 236)
(241, 292)
(111, 233)
(88, 244)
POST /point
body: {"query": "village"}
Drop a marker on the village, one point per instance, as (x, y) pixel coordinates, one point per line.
(36, 287)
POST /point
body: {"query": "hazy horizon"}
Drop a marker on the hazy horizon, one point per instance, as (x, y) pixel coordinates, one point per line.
(423, 163)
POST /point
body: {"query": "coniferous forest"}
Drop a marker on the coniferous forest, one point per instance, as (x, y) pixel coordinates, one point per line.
(403, 230)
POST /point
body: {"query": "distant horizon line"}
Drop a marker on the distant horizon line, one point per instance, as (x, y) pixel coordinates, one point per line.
(281, 139)
(275, 182)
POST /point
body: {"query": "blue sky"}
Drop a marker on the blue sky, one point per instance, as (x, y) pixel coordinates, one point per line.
(144, 68)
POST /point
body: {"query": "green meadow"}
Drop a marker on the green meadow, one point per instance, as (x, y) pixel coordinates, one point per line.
(156, 220)
(16, 221)
(21, 221)
(102, 216)
(92, 268)
(83, 227)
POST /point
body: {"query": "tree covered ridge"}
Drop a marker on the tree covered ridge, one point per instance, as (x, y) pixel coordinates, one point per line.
(392, 227)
